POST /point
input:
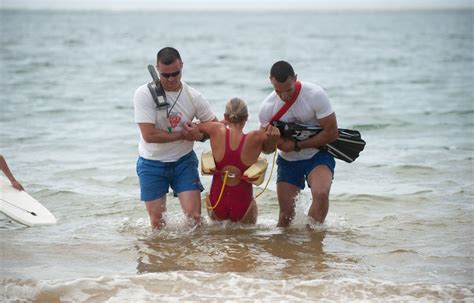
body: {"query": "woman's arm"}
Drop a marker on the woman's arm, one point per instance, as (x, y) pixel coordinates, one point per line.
(209, 128)
(6, 170)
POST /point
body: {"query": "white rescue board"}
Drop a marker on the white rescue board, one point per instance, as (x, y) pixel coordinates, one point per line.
(21, 207)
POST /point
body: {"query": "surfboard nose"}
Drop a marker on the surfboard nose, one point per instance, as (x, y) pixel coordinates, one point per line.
(23, 208)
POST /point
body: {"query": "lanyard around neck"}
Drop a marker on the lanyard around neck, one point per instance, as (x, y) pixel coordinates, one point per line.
(174, 103)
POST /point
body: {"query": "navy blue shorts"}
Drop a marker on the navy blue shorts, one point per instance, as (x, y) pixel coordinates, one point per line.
(296, 172)
(156, 177)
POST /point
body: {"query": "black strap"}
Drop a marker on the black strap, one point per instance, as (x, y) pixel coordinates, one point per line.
(156, 90)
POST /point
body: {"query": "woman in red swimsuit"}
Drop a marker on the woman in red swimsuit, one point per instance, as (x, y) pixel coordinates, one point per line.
(234, 152)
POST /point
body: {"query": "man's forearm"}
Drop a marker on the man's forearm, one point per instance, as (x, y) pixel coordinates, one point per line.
(269, 147)
(159, 136)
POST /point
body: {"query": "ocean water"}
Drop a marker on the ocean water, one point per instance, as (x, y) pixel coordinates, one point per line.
(400, 224)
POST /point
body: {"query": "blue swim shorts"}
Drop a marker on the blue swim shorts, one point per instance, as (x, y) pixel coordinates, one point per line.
(296, 172)
(156, 177)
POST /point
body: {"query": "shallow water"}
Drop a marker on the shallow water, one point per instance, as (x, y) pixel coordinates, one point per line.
(400, 220)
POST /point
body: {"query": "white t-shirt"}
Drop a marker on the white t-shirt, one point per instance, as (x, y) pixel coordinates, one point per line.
(190, 104)
(312, 104)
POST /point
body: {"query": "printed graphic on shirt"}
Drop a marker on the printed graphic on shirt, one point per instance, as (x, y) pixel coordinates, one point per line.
(174, 119)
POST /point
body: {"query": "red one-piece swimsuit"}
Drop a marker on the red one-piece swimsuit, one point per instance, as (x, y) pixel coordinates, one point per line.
(235, 199)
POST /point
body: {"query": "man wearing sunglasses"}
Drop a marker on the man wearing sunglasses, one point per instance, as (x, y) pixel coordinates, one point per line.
(166, 156)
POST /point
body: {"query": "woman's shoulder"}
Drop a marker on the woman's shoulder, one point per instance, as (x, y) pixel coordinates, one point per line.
(212, 127)
(257, 135)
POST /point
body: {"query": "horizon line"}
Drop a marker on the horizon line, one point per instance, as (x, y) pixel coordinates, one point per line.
(248, 9)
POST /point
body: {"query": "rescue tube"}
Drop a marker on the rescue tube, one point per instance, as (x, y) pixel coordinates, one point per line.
(208, 166)
(255, 174)
(257, 171)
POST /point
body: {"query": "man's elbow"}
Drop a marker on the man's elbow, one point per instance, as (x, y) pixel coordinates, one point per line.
(268, 151)
(148, 138)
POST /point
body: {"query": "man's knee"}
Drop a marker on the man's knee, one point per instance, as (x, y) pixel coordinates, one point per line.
(155, 209)
(321, 196)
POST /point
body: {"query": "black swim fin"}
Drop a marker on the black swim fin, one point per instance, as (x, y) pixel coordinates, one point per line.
(347, 147)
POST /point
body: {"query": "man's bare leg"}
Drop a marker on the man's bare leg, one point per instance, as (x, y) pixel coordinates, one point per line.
(320, 180)
(156, 209)
(286, 199)
(190, 202)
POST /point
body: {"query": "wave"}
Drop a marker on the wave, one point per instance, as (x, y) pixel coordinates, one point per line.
(415, 167)
(401, 251)
(364, 198)
(51, 193)
(375, 126)
(412, 170)
(231, 287)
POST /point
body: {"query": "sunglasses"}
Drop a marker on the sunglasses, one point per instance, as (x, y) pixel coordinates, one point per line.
(173, 74)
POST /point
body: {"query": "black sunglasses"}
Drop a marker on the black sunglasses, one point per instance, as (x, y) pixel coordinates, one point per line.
(173, 74)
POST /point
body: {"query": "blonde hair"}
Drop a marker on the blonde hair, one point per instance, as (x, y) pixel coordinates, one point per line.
(236, 110)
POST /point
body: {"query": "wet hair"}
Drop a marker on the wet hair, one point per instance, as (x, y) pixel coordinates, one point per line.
(167, 56)
(281, 70)
(236, 110)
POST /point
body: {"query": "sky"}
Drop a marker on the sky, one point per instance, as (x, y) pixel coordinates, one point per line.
(236, 4)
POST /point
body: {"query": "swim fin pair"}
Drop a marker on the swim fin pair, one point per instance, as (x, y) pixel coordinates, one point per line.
(347, 147)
